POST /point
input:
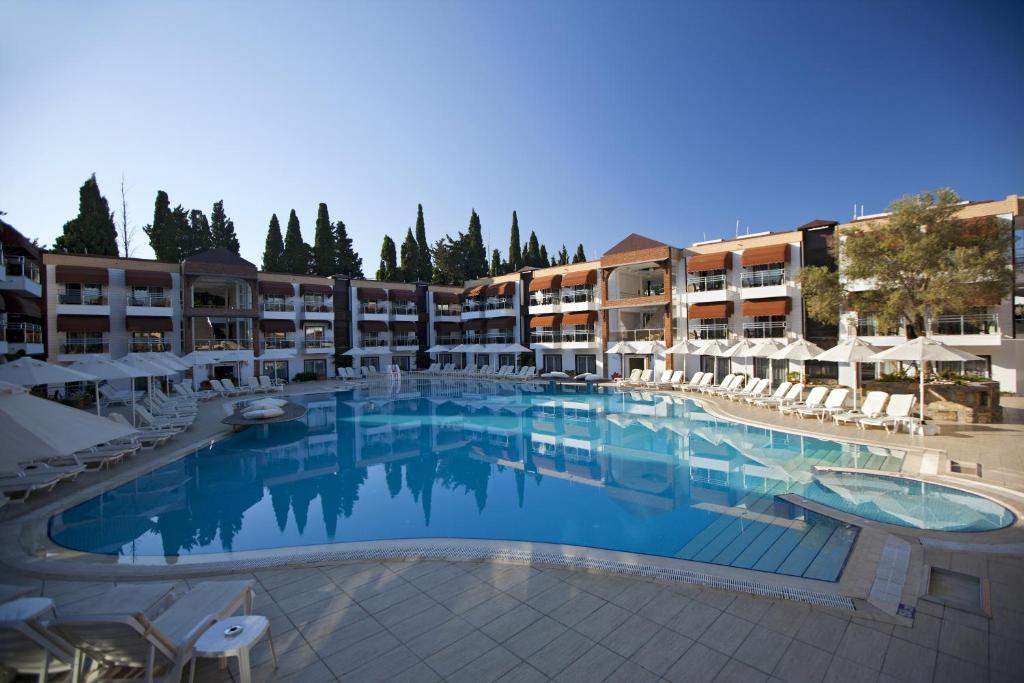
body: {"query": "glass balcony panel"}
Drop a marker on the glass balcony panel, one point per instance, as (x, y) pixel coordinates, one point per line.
(763, 278)
(278, 305)
(222, 344)
(709, 331)
(764, 330)
(644, 334)
(705, 283)
(974, 323)
(154, 299)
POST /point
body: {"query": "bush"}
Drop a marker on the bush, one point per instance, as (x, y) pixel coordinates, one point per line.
(792, 376)
(422, 360)
(304, 377)
(527, 358)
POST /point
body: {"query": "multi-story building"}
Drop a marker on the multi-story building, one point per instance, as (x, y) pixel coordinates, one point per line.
(492, 318)
(564, 311)
(21, 291)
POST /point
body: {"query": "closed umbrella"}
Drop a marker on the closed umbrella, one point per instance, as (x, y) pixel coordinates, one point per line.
(854, 351)
(920, 351)
(801, 350)
(29, 372)
(36, 428)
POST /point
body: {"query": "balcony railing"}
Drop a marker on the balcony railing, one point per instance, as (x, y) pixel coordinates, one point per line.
(712, 331)
(545, 337)
(24, 333)
(448, 310)
(564, 336)
(314, 344)
(646, 291)
(78, 346)
(406, 340)
(312, 307)
(374, 342)
(19, 266)
(449, 340)
(274, 343)
(498, 339)
(975, 323)
(149, 345)
(544, 298)
(577, 296)
(763, 278)
(374, 308)
(869, 327)
(148, 299)
(644, 334)
(709, 283)
(764, 330)
(404, 309)
(278, 306)
(473, 305)
(82, 299)
(499, 304)
(222, 344)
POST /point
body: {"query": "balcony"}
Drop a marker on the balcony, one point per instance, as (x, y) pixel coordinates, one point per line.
(278, 307)
(499, 339)
(148, 304)
(977, 323)
(405, 341)
(763, 278)
(20, 275)
(409, 309)
(584, 337)
(447, 311)
(276, 343)
(75, 347)
(709, 331)
(222, 344)
(318, 345)
(81, 299)
(449, 340)
(374, 310)
(499, 307)
(374, 342)
(640, 334)
(769, 330)
(707, 283)
(647, 296)
(25, 337)
(149, 346)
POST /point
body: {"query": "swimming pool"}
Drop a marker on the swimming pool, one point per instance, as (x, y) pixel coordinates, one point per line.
(632, 472)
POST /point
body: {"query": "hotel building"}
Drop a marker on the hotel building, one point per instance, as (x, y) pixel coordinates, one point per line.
(21, 291)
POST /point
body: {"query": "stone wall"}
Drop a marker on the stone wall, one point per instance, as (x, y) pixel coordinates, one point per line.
(976, 402)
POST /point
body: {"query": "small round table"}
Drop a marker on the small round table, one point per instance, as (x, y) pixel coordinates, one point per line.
(215, 644)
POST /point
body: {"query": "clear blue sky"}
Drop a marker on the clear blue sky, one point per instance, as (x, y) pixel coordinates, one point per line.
(592, 119)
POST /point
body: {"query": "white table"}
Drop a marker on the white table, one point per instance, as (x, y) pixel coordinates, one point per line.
(215, 644)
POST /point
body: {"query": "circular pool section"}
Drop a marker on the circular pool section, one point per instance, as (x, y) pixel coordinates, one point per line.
(908, 502)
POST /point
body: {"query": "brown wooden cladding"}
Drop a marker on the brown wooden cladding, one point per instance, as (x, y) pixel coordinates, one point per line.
(762, 256)
(716, 310)
(582, 318)
(448, 327)
(446, 298)
(659, 300)
(502, 289)
(307, 288)
(83, 323)
(774, 306)
(545, 321)
(640, 256)
(371, 294)
(504, 323)
(82, 275)
(269, 325)
(402, 326)
(276, 288)
(473, 292)
(402, 294)
(580, 277)
(148, 323)
(702, 262)
(372, 326)
(541, 283)
(146, 278)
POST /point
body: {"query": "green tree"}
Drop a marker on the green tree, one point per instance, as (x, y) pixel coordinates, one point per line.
(579, 256)
(515, 251)
(543, 261)
(197, 237)
(348, 261)
(296, 254)
(222, 229)
(162, 239)
(92, 231)
(325, 251)
(922, 260)
(449, 261)
(387, 271)
(410, 269)
(426, 268)
(273, 248)
(563, 256)
(531, 255)
(497, 267)
(180, 225)
(476, 253)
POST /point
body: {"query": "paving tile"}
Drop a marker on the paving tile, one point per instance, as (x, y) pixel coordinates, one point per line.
(535, 636)
(736, 671)
(699, 664)
(295, 659)
(634, 594)
(630, 635)
(417, 673)
(440, 637)
(339, 603)
(785, 616)
(763, 648)
(631, 672)
(406, 609)
(844, 671)
(511, 576)
(523, 673)
(726, 634)
(537, 584)
(554, 597)
(346, 660)
(384, 667)
(491, 666)
(419, 623)
(491, 609)
(803, 663)
(602, 621)
(664, 606)
(909, 661)
(331, 642)
(662, 651)
(749, 607)
(822, 630)
(964, 642)
(596, 664)
(379, 601)
(460, 653)
(317, 672)
(949, 669)
(925, 630)
(469, 598)
(576, 609)
(334, 623)
(457, 585)
(694, 620)
(717, 599)
(511, 622)
(863, 645)
(560, 653)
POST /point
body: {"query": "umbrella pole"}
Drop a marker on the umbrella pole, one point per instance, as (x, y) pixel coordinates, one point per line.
(856, 380)
(922, 394)
(96, 387)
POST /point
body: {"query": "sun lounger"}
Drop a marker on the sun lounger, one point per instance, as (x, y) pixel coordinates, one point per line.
(735, 384)
(833, 404)
(27, 645)
(675, 377)
(745, 388)
(753, 389)
(796, 391)
(117, 397)
(147, 437)
(692, 383)
(174, 400)
(814, 399)
(898, 410)
(780, 391)
(724, 384)
(633, 378)
(872, 407)
(162, 421)
(664, 378)
(65, 472)
(230, 386)
(271, 386)
(705, 381)
(18, 489)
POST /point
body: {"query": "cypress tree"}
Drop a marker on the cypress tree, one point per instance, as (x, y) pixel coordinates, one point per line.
(348, 261)
(222, 229)
(295, 257)
(476, 253)
(496, 266)
(563, 256)
(179, 226)
(531, 255)
(515, 252)
(410, 254)
(197, 237)
(92, 231)
(388, 269)
(325, 253)
(426, 268)
(544, 261)
(579, 256)
(161, 235)
(273, 249)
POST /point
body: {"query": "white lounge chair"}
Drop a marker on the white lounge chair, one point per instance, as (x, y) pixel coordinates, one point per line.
(27, 646)
(222, 390)
(692, 383)
(18, 489)
(117, 397)
(833, 404)
(794, 395)
(735, 384)
(149, 438)
(162, 421)
(664, 378)
(674, 379)
(752, 390)
(275, 387)
(706, 381)
(230, 386)
(724, 384)
(872, 407)
(899, 410)
(780, 392)
(814, 399)
(743, 389)
(633, 378)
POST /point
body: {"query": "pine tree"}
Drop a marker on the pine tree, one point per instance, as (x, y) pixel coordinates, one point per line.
(531, 255)
(325, 253)
(426, 268)
(349, 262)
(388, 269)
(162, 239)
(476, 253)
(410, 255)
(92, 231)
(515, 252)
(296, 254)
(222, 229)
(497, 267)
(180, 226)
(197, 238)
(543, 261)
(563, 256)
(449, 261)
(579, 256)
(273, 249)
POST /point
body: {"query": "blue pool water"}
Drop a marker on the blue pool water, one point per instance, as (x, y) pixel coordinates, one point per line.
(622, 471)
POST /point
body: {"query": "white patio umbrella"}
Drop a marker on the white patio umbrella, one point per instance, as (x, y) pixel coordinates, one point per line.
(920, 351)
(355, 351)
(514, 348)
(146, 365)
(170, 360)
(854, 351)
(714, 348)
(682, 348)
(35, 428)
(439, 348)
(622, 348)
(740, 349)
(29, 372)
(765, 348)
(801, 350)
(107, 369)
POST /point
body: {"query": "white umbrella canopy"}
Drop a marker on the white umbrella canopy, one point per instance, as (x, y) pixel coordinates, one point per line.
(29, 372)
(514, 348)
(854, 351)
(920, 351)
(684, 347)
(621, 347)
(150, 367)
(105, 368)
(170, 360)
(801, 350)
(354, 351)
(714, 348)
(765, 348)
(37, 429)
(439, 348)
(740, 349)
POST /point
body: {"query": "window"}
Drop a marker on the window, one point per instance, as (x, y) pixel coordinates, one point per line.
(84, 342)
(148, 296)
(403, 362)
(868, 371)
(552, 362)
(586, 362)
(276, 369)
(82, 294)
(371, 362)
(318, 366)
(315, 303)
(821, 370)
(506, 359)
(977, 368)
(277, 303)
(780, 370)
(762, 367)
(221, 334)
(705, 281)
(221, 293)
(482, 359)
(149, 341)
(316, 337)
(277, 340)
(764, 275)
(707, 364)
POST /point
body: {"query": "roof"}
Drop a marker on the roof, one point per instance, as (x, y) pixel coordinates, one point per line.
(220, 256)
(818, 223)
(635, 242)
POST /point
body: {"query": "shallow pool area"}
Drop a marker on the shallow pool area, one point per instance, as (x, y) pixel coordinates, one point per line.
(624, 471)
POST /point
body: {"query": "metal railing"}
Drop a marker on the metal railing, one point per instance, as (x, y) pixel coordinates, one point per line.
(404, 309)
(313, 307)
(19, 266)
(551, 337)
(579, 336)
(81, 299)
(974, 323)
(544, 297)
(499, 304)
(148, 299)
(448, 310)
(645, 334)
(406, 340)
(222, 344)
(78, 346)
(473, 305)
(708, 283)
(315, 344)
(473, 339)
(577, 296)
(449, 340)
(374, 308)
(278, 306)
(565, 336)
(869, 327)
(765, 330)
(712, 331)
(24, 333)
(499, 339)
(763, 278)
(278, 343)
(149, 345)
(373, 342)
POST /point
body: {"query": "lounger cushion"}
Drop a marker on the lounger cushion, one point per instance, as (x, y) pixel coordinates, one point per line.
(263, 413)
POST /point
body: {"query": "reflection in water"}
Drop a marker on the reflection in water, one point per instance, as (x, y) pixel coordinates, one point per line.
(633, 472)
